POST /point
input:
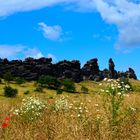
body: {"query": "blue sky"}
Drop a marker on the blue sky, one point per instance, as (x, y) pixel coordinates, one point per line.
(74, 29)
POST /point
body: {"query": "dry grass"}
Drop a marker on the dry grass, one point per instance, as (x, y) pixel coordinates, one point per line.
(92, 124)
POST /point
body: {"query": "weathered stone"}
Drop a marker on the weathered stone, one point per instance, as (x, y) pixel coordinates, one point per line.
(31, 69)
(91, 70)
(111, 69)
(131, 74)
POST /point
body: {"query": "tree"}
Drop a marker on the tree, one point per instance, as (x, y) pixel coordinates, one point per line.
(49, 81)
(68, 85)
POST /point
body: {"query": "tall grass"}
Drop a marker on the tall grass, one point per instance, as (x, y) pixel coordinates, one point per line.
(108, 115)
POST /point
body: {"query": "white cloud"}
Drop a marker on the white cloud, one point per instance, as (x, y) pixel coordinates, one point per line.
(126, 16)
(102, 37)
(51, 32)
(11, 51)
(8, 7)
(19, 51)
(34, 53)
(52, 56)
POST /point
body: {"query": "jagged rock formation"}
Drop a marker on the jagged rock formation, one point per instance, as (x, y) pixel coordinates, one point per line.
(112, 71)
(91, 71)
(31, 69)
(68, 70)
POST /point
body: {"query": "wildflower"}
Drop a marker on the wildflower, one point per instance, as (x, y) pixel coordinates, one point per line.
(119, 93)
(89, 101)
(98, 117)
(109, 80)
(102, 90)
(113, 88)
(105, 79)
(97, 110)
(119, 86)
(61, 104)
(31, 107)
(133, 109)
(70, 107)
(96, 105)
(79, 115)
(4, 125)
(100, 84)
(80, 108)
(127, 86)
(7, 118)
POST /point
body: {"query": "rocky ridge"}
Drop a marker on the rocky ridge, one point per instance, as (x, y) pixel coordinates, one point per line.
(32, 69)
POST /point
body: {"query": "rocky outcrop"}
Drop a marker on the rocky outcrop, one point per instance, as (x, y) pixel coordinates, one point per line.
(68, 70)
(31, 69)
(90, 70)
(131, 74)
(112, 71)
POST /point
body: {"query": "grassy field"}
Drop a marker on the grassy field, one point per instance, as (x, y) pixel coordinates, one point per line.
(73, 116)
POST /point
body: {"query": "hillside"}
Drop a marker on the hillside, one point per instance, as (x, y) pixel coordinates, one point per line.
(72, 116)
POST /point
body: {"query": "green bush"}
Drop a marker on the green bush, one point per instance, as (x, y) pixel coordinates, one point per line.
(8, 77)
(10, 92)
(27, 92)
(19, 80)
(39, 89)
(49, 81)
(68, 85)
(59, 91)
(84, 89)
(0, 81)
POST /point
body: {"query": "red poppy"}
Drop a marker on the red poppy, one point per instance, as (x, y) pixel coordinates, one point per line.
(7, 118)
(4, 125)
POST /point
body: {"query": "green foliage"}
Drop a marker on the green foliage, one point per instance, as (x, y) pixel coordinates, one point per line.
(19, 80)
(68, 85)
(84, 89)
(10, 92)
(0, 81)
(27, 92)
(49, 82)
(39, 88)
(8, 77)
(59, 91)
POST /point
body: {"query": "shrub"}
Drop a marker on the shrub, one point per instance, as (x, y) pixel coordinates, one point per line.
(0, 81)
(59, 91)
(27, 92)
(69, 85)
(8, 77)
(84, 89)
(10, 92)
(19, 80)
(39, 89)
(49, 81)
